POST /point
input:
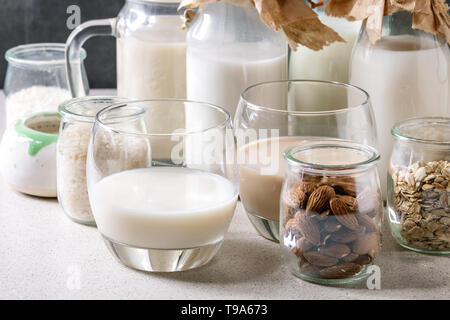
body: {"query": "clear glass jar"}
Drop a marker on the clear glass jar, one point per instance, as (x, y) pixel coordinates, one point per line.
(151, 50)
(406, 73)
(330, 63)
(331, 211)
(78, 117)
(36, 79)
(419, 185)
(278, 115)
(229, 48)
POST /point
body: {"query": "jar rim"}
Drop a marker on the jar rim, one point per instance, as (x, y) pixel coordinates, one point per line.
(65, 109)
(364, 102)
(373, 156)
(398, 130)
(49, 50)
(23, 124)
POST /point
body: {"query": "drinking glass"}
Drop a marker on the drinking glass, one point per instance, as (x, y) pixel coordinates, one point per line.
(274, 116)
(162, 199)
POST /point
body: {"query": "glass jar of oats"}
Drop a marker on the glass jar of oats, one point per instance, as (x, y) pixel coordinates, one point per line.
(418, 185)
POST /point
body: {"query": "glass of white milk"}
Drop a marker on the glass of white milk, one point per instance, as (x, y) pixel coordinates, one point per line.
(158, 208)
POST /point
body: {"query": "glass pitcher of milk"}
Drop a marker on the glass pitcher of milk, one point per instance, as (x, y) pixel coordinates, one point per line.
(151, 50)
(406, 74)
(151, 56)
(228, 49)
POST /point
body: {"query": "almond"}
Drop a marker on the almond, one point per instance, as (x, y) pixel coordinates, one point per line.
(296, 198)
(306, 186)
(336, 250)
(308, 228)
(309, 268)
(325, 239)
(368, 243)
(292, 228)
(363, 259)
(349, 201)
(320, 260)
(332, 225)
(350, 257)
(318, 200)
(321, 216)
(301, 245)
(340, 271)
(343, 214)
(343, 187)
(367, 221)
(344, 236)
(296, 251)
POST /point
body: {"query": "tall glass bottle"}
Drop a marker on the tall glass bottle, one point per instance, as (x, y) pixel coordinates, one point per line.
(406, 73)
(332, 62)
(228, 49)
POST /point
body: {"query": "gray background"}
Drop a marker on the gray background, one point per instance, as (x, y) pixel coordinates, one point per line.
(29, 21)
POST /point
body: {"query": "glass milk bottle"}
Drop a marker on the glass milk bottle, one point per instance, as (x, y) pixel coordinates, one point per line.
(406, 73)
(151, 52)
(228, 49)
(332, 62)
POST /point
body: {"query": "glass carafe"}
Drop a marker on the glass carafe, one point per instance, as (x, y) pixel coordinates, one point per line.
(228, 49)
(151, 55)
(406, 73)
(332, 62)
(151, 50)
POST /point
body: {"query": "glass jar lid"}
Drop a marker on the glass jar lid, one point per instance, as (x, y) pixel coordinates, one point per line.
(39, 55)
(333, 155)
(430, 130)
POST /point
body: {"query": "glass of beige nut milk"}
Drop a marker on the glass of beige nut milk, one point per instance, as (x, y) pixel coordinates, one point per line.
(162, 209)
(331, 211)
(274, 116)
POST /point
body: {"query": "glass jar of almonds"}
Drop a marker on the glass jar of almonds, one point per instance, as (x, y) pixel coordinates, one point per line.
(418, 185)
(331, 211)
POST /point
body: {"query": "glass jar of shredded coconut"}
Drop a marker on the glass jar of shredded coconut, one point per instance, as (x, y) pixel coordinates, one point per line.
(35, 80)
(78, 117)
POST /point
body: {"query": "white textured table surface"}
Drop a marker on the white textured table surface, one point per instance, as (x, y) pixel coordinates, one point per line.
(44, 255)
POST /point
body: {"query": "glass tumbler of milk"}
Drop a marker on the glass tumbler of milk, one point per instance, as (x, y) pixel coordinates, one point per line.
(228, 49)
(157, 209)
(273, 117)
(406, 73)
(151, 52)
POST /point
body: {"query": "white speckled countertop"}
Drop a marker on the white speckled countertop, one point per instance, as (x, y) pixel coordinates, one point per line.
(44, 255)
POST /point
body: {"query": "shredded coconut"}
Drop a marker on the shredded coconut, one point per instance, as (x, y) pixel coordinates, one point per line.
(34, 99)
